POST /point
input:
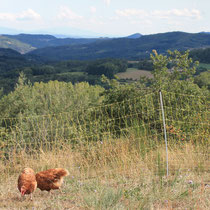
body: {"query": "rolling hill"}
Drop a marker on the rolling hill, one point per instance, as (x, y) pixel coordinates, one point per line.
(41, 40)
(44, 40)
(7, 42)
(135, 46)
(11, 60)
(125, 47)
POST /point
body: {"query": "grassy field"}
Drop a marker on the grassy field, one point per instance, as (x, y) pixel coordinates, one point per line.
(134, 74)
(204, 65)
(113, 175)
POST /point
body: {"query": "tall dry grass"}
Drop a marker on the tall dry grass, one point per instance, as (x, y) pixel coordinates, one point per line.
(114, 174)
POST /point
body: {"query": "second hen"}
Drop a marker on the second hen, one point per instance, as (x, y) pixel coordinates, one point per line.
(51, 179)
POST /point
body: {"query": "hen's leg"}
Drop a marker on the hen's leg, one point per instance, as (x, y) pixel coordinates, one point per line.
(60, 190)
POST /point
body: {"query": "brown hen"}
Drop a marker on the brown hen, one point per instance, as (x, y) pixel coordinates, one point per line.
(27, 182)
(51, 179)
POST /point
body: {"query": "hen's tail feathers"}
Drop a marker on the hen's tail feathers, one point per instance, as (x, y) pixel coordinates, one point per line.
(61, 172)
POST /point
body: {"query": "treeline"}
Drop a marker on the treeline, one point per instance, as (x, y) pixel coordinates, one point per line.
(142, 64)
(201, 55)
(37, 70)
(107, 67)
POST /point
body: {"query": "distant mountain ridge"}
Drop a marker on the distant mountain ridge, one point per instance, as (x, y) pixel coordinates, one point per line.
(134, 46)
(134, 36)
(64, 31)
(41, 40)
(205, 32)
(125, 47)
(28, 42)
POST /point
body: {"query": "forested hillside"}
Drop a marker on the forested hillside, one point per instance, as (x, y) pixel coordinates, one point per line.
(87, 62)
(202, 55)
(37, 70)
(135, 46)
(126, 48)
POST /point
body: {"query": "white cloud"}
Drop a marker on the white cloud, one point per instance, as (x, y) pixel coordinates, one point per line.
(161, 14)
(29, 14)
(7, 16)
(67, 13)
(184, 13)
(92, 9)
(107, 2)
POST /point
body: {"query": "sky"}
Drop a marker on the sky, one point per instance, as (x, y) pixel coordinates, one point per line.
(105, 17)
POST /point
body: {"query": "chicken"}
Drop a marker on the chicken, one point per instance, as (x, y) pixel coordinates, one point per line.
(27, 183)
(51, 179)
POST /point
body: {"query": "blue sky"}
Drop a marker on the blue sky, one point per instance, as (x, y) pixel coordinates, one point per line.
(106, 17)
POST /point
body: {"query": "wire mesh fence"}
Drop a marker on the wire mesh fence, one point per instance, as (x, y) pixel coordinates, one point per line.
(137, 120)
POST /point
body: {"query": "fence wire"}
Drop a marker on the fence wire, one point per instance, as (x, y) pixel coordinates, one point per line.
(186, 117)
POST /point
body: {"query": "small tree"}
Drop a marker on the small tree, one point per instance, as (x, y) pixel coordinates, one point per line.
(175, 66)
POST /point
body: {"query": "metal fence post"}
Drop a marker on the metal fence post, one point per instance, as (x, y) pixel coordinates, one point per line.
(164, 128)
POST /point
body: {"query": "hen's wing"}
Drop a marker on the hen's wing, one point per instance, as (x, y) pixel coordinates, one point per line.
(48, 176)
(47, 180)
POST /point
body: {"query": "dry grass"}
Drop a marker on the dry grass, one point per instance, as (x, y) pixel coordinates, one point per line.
(113, 175)
(134, 74)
